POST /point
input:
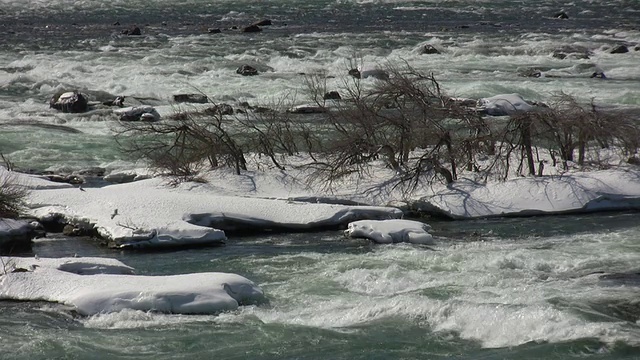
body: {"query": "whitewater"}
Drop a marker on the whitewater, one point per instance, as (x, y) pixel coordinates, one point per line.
(526, 288)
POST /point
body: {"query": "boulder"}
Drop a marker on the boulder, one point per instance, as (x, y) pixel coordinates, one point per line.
(246, 70)
(619, 49)
(429, 49)
(252, 29)
(214, 30)
(191, 98)
(69, 102)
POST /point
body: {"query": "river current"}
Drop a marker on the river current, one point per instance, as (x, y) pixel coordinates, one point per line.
(489, 289)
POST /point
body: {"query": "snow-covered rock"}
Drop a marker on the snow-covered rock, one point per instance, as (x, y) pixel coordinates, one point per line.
(148, 214)
(391, 231)
(504, 104)
(58, 280)
(579, 192)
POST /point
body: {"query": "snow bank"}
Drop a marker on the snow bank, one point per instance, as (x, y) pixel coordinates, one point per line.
(579, 192)
(148, 214)
(391, 231)
(51, 280)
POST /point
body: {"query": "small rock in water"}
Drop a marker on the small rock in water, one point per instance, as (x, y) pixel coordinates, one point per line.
(246, 70)
(429, 49)
(619, 49)
(134, 30)
(252, 29)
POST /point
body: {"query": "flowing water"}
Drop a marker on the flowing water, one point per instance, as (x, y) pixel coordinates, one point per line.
(505, 288)
(490, 289)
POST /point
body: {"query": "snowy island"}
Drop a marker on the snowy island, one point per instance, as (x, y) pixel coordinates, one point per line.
(100, 285)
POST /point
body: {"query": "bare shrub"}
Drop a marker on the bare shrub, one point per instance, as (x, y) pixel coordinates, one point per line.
(12, 195)
(183, 147)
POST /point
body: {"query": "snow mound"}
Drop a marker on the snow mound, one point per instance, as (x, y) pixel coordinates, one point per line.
(391, 231)
(197, 293)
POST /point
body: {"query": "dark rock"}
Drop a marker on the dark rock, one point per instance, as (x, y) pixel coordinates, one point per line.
(68, 179)
(69, 102)
(93, 171)
(561, 15)
(214, 31)
(332, 95)
(191, 98)
(220, 109)
(530, 72)
(252, 29)
(246, 70)
(265, 22)
(69, 230)
(355, 73)
(117, 23)
(429, 49)
(118, 101)
(134, 30)
(634, 160)
(619, 49)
